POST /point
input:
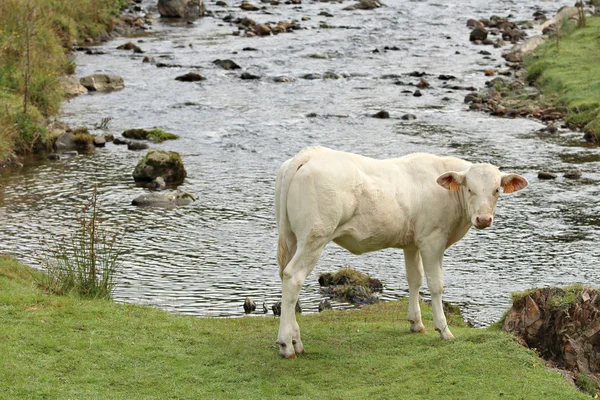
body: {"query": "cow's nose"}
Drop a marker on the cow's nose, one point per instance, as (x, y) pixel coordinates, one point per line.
(484, 221)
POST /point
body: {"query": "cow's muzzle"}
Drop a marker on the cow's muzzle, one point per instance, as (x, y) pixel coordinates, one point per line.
(483, 221)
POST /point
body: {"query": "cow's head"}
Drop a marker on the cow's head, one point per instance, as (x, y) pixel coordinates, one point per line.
(480, 185)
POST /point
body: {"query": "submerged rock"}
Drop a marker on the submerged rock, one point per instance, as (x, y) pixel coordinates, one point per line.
(162, 199)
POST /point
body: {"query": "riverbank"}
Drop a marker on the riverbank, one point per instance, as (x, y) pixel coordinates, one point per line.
(566, 72)
(559, 82)
(60, 346)
(35, 42)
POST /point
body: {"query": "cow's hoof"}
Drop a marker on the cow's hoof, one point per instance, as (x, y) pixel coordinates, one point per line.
(298, 347)
(284, 352)
(417, 327)
(445, 334)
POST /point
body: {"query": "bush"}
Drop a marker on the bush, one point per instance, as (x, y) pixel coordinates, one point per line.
(87, 262)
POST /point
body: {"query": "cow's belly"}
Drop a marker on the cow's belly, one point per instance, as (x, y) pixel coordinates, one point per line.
(357, 246)
(359, 241)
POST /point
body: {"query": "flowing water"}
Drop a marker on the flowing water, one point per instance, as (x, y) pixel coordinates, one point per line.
(205, 258)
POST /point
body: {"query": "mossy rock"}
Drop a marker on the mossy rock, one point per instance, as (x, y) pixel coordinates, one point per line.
(156, 135)
(159, 163)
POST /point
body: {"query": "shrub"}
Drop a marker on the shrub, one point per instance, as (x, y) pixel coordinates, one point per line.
(87, 262)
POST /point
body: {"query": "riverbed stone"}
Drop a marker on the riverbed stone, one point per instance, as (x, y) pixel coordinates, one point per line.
(102, 82)
(473, 23)
(573, 174)
(249, 76)
(137, 145)
(478, 34)
(226, 64)
(546, 175)
(166, 164)
(381, 115)
(130, 46)
(181, 8)
(164, 199)
(190, 77)
(99, 141)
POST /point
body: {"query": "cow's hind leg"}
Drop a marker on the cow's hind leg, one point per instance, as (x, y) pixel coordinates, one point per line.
(414, 275)
(293, 277)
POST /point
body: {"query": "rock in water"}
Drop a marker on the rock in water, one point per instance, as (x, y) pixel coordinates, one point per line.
(478, 34)
(226, 64)
(324, 305)
(175, 198)
(249, 305)
(381, 114)
(181, 8)
(190, 77)
(166, 164)
(102, 82)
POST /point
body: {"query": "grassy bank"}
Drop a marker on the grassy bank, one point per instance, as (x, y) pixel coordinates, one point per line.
(567, 71)
(63, 347)
(35, 38)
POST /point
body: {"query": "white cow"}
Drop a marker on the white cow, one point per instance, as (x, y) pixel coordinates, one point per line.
(420, 203)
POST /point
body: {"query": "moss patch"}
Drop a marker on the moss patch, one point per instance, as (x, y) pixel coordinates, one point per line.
(156, 135)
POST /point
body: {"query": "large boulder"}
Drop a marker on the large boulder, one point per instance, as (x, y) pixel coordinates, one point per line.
(71, 86)
(102, 82)
(166, 164)
(181, 8)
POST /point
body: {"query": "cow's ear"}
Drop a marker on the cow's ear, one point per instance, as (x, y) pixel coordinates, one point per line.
(513, 183)
(451, 180)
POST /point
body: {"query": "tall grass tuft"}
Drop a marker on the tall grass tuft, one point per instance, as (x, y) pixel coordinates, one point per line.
(86, 263)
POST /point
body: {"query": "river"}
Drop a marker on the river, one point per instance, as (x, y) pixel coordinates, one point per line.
(205, 258)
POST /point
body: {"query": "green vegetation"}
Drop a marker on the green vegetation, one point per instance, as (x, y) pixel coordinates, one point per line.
(35, 38)
(570, 70)
(559, 298)
(87, 262)
(155, 134)
(65, 347)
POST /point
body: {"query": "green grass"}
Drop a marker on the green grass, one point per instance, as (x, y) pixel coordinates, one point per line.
(59, 347)
(571, 71)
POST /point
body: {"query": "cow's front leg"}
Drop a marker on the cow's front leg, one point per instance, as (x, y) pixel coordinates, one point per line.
(432, 255)
(294, 274)
(414, 276)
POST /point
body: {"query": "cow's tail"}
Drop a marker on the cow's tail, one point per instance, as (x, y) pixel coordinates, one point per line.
(287, 237)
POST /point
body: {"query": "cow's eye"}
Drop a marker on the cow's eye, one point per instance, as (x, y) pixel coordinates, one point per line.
(470, 192)
(497, 190)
